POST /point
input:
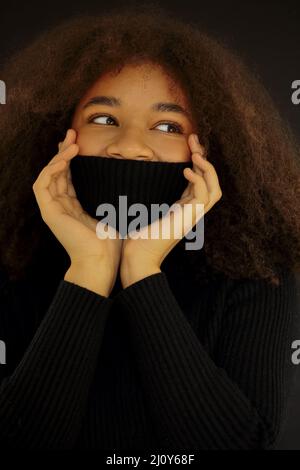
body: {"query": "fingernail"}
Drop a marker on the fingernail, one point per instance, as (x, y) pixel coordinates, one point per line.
(196, 138)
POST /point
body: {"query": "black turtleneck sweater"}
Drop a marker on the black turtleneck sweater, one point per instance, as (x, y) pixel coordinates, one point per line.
(168, 363)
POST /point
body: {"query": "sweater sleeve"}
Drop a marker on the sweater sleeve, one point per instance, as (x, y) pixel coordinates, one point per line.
(43, 400)
(235, 400)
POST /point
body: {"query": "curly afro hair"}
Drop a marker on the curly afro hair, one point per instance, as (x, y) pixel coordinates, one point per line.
(253, 231)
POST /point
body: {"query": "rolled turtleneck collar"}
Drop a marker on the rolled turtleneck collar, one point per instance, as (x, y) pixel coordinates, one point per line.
(99, 180)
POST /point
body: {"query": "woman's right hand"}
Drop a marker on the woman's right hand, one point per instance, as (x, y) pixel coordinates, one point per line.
(92, 258)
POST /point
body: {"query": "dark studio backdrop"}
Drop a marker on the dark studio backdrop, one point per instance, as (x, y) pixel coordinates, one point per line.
(265, 33)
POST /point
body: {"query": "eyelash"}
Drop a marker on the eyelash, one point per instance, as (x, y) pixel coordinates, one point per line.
(170, 123)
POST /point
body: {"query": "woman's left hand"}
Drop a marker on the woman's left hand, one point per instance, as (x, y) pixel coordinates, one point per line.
(142, 257)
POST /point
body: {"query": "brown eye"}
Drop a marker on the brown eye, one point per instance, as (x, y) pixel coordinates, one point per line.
(178, 129)
(92, 118)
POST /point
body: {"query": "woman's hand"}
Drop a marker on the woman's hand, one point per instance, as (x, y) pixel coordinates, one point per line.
(93, 260)
(142, 257)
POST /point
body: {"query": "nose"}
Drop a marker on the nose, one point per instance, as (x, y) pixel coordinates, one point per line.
(129, 144)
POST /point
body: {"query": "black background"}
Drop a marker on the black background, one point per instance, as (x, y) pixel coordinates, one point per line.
(265, 33)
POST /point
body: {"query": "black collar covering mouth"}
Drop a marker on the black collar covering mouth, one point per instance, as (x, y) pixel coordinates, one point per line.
(101, 179)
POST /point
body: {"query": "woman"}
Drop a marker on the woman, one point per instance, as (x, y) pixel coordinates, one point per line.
(139, 344)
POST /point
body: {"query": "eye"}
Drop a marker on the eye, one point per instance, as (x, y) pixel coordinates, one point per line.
(179, 129)
(92, 118)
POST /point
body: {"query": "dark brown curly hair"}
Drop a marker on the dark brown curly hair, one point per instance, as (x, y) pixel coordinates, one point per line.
(253, 231)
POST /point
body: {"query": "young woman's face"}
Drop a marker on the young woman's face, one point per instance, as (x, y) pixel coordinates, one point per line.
(126, 116)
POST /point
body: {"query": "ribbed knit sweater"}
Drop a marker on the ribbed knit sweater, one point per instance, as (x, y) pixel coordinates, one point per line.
(166, 364)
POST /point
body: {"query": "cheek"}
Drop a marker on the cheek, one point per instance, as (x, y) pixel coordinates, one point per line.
(89, 142)
(172, 148)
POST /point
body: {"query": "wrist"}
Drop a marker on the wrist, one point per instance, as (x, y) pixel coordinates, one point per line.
(131, 271)
(90, 275)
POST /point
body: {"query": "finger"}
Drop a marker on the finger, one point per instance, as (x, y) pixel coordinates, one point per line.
(42, 183)
(60, 144)
(193, 176)
(64, 182)
(54, 186)
(200, 189)
(197, 169)
(195, 145)
(59, 184)
(67, 141)
(66, 154)
(209, 173)
(70, 188)
(70, 138)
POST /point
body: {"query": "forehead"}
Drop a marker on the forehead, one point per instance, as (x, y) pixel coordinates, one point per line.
(150, 81)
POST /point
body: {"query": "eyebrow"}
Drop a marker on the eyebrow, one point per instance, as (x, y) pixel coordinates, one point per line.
(160, 107)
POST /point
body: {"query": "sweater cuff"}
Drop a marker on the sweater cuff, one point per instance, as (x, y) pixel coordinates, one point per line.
(151, 292)
(69, 293)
